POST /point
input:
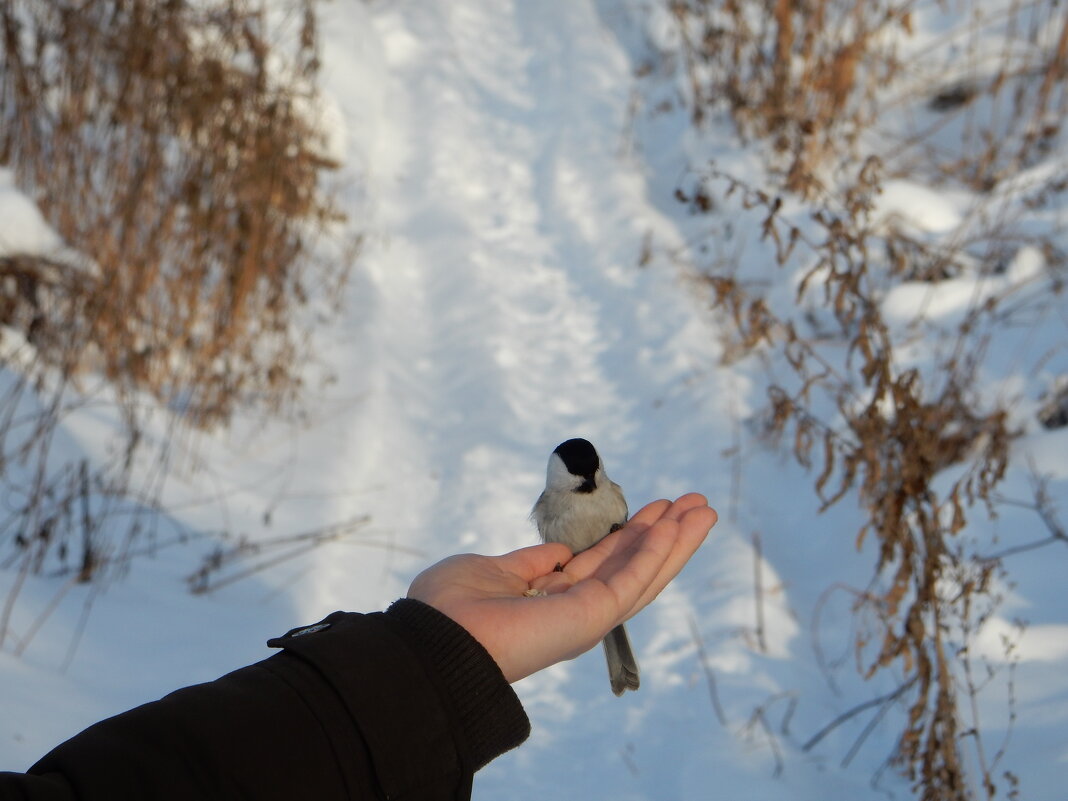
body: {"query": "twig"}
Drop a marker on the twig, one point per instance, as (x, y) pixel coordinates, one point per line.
(821, 658)
(784, 727)
(12, 596)
(702, 655)
(88, 549)
(773, 742)
(735, 452)
(850, 714)
(866, 732)
(31, 632)
(79, 630)
(1042, 506)
(758, 591)
(307, 541)
(1018, 549)
(257, 568)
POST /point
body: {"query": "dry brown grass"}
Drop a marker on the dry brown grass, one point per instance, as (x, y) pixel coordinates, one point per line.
(889, 437)
(812, 83)
(809, 78)
(163, 147)
(173, 148)
(802, 75)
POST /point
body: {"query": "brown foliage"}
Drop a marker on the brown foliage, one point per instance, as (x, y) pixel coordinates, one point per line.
(808, 76)
(898, 437)
(803, 75)
(161, 145)
(811, 78)
(172, 147)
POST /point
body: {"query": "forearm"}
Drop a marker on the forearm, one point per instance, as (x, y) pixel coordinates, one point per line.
(361, 707)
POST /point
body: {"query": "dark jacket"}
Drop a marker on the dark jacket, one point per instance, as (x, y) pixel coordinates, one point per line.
(402, 704)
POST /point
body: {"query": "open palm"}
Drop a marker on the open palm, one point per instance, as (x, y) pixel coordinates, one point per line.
(576, 606)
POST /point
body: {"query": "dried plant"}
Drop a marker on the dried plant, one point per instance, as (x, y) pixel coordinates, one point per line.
(998, 103)
(174, 149)
(824, 84)
(814, 78)
(918, 449)
(802, 75)
(164, 144)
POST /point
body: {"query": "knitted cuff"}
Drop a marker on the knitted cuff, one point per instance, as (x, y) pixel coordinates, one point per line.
(488, 710)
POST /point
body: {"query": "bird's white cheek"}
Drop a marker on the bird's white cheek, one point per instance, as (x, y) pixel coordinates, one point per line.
(558, 477)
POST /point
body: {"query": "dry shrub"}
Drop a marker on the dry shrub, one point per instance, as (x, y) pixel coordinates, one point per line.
(917, 450)
(172, 147)
(842, 98)
(810, 78)
(164, 143)
(999, 106)
(801, 73)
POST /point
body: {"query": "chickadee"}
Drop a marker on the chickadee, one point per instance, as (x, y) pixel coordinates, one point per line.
(580, 506)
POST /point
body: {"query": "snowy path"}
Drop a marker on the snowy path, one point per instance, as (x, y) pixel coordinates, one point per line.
(503, 299)
(503, 310)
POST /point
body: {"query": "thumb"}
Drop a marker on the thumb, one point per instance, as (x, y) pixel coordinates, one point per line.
(536, 560)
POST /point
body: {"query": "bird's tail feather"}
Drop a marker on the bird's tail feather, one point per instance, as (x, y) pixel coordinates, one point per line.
(622, 667)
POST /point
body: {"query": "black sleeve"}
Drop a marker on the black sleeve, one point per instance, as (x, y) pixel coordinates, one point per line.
(403, 704)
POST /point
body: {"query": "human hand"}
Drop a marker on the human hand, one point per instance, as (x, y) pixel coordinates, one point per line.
(599, 588)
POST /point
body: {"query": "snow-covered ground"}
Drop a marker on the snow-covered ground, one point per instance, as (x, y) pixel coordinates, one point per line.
(520, 286)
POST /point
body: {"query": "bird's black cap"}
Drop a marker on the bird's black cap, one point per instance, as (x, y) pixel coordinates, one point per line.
(579, 457)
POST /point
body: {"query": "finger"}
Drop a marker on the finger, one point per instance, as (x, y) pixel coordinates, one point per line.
(630, 571)
(589, 559)
(694, 526)
(683, 504)
(535, 560)
(612, 580)
(601, 600)
(651, 512)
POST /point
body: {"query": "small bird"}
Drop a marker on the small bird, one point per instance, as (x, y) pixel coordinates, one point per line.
(580, 506)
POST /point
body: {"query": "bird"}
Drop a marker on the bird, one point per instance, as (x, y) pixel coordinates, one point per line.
(580, 506)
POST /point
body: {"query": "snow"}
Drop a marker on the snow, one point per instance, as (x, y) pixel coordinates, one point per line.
(509, 178)
(24, 230)
(922, 208)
